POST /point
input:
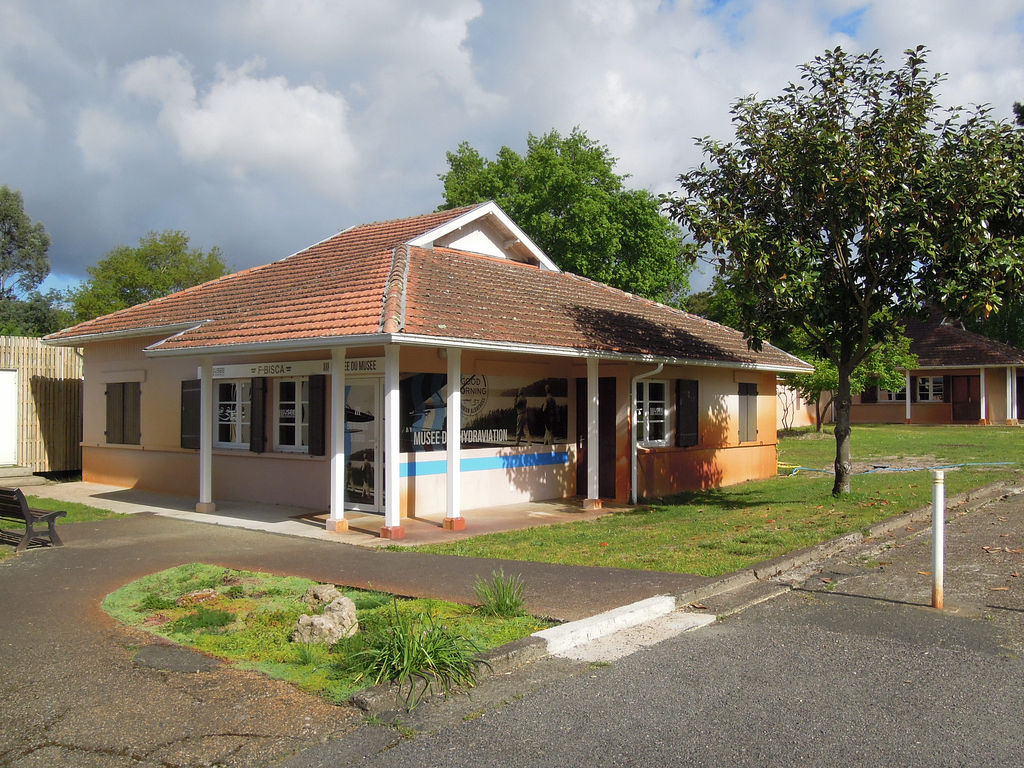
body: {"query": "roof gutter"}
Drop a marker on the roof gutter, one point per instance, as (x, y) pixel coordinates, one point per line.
(633, 468)
(132, 333)
(373, 339)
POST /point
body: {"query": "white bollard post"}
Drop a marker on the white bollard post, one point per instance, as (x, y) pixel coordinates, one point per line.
(938, 535)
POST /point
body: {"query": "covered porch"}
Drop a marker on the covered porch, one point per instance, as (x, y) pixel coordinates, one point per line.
(363, 529)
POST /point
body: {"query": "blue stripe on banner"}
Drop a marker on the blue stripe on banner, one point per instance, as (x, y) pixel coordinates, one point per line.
(516, 461)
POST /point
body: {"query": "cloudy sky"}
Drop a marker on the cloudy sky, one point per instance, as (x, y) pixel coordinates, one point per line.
(263, 126)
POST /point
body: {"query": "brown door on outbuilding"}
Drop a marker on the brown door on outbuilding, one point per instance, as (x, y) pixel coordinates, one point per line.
(966, 398)
(606, 437)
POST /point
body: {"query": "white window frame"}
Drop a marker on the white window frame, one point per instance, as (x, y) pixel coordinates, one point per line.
(301, 415)
(926, 389)
(643, 415)
(899, 396)
(241, 409)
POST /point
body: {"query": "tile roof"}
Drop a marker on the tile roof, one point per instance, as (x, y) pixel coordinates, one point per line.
(366, 280)
(939, 344)
(458, 295)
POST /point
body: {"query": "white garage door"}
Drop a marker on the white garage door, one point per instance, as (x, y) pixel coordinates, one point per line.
(8, 417)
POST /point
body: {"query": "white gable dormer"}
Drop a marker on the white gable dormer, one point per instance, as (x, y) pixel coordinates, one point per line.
(489, 231)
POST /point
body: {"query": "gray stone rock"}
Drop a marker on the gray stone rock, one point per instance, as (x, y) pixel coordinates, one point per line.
(320, 594)
(337, 621)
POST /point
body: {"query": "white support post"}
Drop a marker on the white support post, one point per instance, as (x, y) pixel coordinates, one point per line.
(453, 519)
(984, 399)
(1009, 395)
(593, 500)
(938, 536)
(392, 495)
(1016, 398)
(907, 390)
(205, 504)
(336, 519)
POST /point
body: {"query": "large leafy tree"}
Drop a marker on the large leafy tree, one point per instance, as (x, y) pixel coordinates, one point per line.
(565, 194)
(847, 202)
(35, 315)
(160, 264)
(23, 246)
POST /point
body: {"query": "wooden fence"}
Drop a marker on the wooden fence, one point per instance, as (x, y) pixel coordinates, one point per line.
(49, 403)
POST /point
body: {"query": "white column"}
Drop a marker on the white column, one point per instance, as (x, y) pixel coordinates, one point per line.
(593, 500)
(984, 399)
(908, 397)
(453, 520)
(336, 520)
(1016, 397)
(392, 495)
(205, 504)
(1009, 395)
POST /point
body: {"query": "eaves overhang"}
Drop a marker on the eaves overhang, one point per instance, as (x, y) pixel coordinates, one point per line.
(170, 330)
(442, 342)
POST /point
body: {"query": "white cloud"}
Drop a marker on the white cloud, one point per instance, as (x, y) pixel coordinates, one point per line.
(250, 125)
(103, 139)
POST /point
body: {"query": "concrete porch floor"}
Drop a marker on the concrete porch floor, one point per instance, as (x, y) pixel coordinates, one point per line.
(364, 529)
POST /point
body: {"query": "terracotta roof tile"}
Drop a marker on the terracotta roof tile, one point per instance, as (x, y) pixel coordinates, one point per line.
(460, 295)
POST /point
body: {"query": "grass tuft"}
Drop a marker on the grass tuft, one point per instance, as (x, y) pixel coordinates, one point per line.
(500, 595)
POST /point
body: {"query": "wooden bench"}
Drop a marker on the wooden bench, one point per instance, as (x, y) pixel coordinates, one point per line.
(14, 507)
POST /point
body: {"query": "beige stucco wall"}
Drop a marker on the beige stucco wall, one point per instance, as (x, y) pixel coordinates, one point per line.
(160, 464)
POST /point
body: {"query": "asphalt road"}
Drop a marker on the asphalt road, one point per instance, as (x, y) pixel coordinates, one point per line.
(809, 679)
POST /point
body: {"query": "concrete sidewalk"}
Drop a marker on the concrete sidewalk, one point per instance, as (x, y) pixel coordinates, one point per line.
(364, 528)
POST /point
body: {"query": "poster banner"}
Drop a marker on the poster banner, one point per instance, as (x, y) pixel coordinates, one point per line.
(497, 411)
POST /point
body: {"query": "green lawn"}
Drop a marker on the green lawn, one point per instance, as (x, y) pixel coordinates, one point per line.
(715, 532)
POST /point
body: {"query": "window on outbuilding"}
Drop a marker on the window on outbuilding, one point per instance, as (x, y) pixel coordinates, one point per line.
(748, 412)
(651, 411)
(123, 413)
(233, 409)
(687, 413)
(930, 389)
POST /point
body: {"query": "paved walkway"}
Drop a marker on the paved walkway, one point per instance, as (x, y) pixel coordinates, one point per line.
(364, 529)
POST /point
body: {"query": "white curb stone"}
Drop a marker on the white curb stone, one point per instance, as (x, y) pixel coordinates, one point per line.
(574, 633)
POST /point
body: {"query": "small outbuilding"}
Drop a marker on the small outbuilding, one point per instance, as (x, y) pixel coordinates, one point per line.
(325, 380)
(961, 378)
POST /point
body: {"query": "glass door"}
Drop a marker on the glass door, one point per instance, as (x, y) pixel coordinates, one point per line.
(363, 440)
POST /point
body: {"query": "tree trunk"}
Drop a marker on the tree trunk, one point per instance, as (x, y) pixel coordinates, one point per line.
(841, 406)
(817, 414)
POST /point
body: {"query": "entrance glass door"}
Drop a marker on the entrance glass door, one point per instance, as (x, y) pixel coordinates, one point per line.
(363, 438)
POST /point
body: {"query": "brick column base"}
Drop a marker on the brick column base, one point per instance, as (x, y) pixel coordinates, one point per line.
(206, 507)
(455, 523)
(589, 504)
(337, 525)
(392, 532)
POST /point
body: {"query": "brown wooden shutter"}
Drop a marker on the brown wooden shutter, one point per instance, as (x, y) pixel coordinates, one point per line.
(748, 413)
(115, 413)
(869, 395)
(317, 417)
(191, 399)
(913, 389)
(687, 415)
(132, 417)
(258, 414)
(947, 389)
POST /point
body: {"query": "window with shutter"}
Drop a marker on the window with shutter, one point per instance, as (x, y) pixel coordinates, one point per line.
(748, 413)
(123, 413)
(687, 413)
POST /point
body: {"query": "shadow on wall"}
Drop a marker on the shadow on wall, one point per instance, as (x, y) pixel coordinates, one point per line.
(666, 471)
(58, 406)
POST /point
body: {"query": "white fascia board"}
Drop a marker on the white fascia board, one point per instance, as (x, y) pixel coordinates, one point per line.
(286, 345)
(489, 208)
(576, 352)
(133, 333)
(963, 366)
(377, 339)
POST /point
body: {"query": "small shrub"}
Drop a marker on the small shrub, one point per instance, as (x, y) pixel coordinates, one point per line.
(202, 618)
(501, 595)
(310, 654)
(234, 591)
(155, 602)
(411, 651)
